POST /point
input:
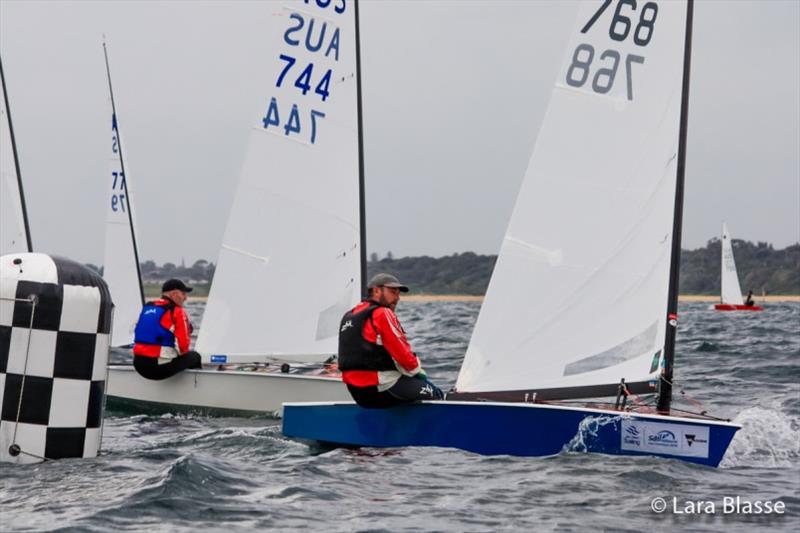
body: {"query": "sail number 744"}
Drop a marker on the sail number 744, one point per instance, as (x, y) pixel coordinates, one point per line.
(619, 30)
(293, 123)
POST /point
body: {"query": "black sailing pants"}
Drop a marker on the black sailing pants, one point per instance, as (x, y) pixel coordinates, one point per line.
(148, 367)
(406, 390)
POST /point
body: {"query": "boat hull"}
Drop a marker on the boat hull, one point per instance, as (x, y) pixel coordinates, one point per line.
(734, 307)
(493, 428)
(217, 392)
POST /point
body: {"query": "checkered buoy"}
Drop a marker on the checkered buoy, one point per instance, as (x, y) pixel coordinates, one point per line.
(55, 325)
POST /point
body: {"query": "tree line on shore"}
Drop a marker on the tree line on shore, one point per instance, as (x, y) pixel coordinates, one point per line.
(762, 269)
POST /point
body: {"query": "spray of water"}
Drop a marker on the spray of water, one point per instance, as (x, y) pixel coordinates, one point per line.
(769, 438)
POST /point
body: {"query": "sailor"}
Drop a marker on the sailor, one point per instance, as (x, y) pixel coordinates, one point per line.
(162, 336)
(749, 300)
(376, 360)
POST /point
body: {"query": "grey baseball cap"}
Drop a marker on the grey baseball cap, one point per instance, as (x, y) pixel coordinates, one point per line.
(386, 280)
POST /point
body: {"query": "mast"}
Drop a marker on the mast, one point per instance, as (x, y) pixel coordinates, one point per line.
(665, 383)
(361, 196)
(16, 161)
(115, 124)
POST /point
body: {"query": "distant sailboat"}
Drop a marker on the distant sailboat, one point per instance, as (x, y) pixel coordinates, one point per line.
(731, 292)
(292, 260)
(121, 260)
(582, 303)
(15, 235)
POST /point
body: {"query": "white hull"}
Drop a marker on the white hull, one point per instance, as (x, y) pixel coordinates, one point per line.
(230, 390)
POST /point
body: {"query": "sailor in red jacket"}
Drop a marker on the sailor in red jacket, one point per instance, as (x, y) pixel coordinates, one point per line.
(163, 334)
(376, 360)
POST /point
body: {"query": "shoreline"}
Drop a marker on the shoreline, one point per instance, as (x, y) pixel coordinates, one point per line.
(772, 298)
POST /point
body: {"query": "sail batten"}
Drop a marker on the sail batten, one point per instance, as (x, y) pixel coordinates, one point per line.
(293, 245)
(579, 294)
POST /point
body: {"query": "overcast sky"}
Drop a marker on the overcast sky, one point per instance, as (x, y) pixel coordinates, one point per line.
(453, 94)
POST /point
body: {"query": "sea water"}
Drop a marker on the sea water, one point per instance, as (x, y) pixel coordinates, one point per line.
(187, 473)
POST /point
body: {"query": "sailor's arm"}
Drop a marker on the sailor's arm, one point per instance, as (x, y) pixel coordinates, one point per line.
(395, 342)
(182, 330)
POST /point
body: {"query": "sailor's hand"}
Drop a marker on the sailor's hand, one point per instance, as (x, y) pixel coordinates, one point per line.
(421, 374)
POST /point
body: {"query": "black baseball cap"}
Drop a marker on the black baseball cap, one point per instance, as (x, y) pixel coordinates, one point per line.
(386, 280)
(172, 284)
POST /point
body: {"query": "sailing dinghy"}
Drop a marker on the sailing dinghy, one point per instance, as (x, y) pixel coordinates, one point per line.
(731, 292)
(583, 299)
(15, 235)
(121, 269)
(293, 259)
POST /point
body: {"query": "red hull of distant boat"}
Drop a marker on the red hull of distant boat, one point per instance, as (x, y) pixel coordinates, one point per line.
(731, 307)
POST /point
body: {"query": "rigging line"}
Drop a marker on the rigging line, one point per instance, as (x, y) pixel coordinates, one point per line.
(683, 392)
(32, 299)
(634, 398)
(16, 161)
(15, 449)
(694, 402)
(700, 415)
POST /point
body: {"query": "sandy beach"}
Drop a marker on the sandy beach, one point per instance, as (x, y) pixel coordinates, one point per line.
(758, 299)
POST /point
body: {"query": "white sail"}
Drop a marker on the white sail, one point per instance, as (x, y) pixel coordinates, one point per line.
(731, 290)
(120, 263)
(289, 264)
(579, 295)
(13, 226)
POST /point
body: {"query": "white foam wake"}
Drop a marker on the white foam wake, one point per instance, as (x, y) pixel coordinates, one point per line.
(769, 438)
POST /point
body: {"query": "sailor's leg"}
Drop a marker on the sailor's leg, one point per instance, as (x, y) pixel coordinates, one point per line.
(149, 368)
(371, 398)
(413, 389)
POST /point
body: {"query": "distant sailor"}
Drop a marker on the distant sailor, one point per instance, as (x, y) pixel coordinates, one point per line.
(162, 337)
(749, 300)
(375, 358)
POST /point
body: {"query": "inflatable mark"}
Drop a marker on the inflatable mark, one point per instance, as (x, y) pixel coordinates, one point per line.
(55, 325)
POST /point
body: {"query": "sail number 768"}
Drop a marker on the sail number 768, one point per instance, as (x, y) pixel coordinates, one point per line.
(619, 30)
(578, 71)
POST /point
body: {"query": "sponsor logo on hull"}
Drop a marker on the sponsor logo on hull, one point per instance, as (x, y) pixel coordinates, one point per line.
(658, 437)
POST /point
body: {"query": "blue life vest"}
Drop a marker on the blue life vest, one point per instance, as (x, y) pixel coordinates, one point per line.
(149, 329)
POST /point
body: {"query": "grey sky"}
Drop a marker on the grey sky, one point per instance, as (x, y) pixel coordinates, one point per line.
(454, 92)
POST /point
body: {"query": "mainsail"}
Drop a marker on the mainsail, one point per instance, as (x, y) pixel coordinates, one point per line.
(121, 260)
(731, 290)
(291, 259)
(14, 229)
(579, 295)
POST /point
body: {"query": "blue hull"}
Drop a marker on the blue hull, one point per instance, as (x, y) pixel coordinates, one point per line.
(490, 428)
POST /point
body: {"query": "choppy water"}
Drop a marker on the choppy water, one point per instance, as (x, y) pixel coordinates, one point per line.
(185, 473)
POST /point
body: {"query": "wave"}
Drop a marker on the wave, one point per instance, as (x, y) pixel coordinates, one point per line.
(769, 438)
